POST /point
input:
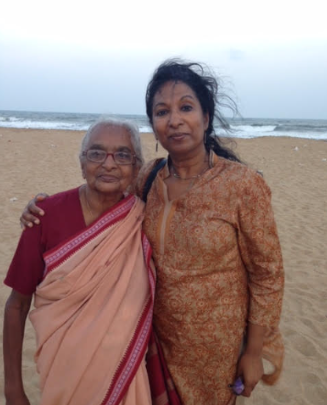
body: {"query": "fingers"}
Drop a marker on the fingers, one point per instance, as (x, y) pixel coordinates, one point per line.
(248, 388)
(249, 385)
(28, 218)
(243, 387)
(33, 208)
(250, 367)
(40, 196)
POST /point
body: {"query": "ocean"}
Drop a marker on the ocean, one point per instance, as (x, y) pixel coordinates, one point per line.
(240, 128)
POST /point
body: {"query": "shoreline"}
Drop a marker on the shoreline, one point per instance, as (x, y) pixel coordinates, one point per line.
(228, 136)
(35, 160)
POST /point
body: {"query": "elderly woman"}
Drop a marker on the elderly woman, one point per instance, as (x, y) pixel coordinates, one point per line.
(215, 246)
(88, 267)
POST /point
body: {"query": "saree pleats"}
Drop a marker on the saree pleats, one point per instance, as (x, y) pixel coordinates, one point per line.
(93, 313)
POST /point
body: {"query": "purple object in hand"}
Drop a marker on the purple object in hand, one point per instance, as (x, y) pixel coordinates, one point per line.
(238, 386)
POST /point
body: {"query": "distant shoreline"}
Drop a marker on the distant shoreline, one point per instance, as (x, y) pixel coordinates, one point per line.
(71, 131)
(241, 128)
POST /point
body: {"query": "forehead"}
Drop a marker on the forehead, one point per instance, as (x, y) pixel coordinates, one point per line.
(173, 90)
(110, 137)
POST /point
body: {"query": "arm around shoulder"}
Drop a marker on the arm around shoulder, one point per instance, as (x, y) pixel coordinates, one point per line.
(28, 218)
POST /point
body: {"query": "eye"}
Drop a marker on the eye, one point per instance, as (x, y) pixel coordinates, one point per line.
(96, 154)
(122, 158)
(186, 107)
(161, 113)
(123, 155)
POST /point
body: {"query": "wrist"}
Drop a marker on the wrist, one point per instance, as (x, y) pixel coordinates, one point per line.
(253, 352)
(13, 391)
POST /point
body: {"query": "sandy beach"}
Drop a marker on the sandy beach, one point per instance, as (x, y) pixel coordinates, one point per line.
(296, 170)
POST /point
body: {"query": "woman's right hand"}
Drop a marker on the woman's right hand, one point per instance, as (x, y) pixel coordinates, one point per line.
(27, 218)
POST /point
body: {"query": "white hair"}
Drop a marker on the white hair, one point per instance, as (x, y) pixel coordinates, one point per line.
(131, 128)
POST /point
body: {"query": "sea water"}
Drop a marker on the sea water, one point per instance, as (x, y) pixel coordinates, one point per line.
(240, 128)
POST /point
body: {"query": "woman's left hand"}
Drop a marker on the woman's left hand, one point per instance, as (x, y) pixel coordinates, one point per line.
(250, 367)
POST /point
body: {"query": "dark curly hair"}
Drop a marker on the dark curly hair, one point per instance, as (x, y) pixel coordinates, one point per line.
(207, 89)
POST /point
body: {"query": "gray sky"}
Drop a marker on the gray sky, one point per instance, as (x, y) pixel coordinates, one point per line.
(98, 56)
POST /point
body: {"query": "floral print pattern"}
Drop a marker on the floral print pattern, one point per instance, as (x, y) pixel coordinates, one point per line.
(219, 266)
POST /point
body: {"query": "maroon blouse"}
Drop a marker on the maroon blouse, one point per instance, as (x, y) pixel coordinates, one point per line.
(63, 218)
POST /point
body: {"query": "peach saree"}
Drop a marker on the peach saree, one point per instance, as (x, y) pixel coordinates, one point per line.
(93, 313)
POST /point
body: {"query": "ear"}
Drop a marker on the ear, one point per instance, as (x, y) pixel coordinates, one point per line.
(83, 171)
(206, 121)
(136, 171)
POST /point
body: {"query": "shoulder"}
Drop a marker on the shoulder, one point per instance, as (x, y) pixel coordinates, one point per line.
(240, 175)
(66, 199)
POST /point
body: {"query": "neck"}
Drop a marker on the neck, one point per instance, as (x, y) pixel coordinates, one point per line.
(97, 203)
(189, 167)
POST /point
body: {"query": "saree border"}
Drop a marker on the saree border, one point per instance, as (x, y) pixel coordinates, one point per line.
(139, 342)
(61, 253)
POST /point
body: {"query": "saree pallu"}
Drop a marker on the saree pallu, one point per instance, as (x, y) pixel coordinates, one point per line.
(163, 390)
(93, 313)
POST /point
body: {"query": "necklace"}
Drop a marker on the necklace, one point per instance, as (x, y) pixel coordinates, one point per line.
(87, 203)
(177, 176)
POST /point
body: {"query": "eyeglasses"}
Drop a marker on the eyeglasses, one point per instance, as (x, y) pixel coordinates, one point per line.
(100, 156)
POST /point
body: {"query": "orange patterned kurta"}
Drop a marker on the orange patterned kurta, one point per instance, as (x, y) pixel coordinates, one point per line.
(219, 265)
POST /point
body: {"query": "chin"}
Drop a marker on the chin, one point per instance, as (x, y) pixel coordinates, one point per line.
(109, 189)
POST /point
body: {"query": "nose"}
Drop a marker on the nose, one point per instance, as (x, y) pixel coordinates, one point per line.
(110, 161)
(175, 118)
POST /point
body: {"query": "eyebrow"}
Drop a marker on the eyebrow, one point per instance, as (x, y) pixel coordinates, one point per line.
(120, 148)
(161, 103)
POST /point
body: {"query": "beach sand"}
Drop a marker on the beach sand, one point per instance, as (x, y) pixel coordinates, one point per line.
(296, 170)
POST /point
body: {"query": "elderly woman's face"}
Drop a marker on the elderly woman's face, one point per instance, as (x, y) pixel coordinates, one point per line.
(109, 177)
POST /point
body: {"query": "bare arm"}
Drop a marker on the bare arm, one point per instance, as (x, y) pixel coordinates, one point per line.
(16, 310)
(27, 218)
(250, 365)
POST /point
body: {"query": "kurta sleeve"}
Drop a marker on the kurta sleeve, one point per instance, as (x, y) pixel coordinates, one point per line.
(260, 250)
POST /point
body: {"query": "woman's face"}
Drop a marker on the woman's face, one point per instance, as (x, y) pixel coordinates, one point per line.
(109, 177)
(178, 120)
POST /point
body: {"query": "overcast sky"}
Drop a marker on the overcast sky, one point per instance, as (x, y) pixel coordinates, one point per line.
(97, 56)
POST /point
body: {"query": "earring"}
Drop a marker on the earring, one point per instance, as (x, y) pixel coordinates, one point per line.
(157, 146)
(205, 138)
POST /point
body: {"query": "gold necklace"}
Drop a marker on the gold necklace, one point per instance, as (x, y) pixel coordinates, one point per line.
(87, 203)
(177, 176)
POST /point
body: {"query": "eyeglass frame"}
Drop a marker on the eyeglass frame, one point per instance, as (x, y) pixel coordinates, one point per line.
(84, 153)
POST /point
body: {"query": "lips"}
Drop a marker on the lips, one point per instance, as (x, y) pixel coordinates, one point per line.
(108, 178)
(177, 136)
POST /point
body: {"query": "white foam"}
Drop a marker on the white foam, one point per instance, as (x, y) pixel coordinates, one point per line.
(253, 129)
(145, 129)
(45, 125)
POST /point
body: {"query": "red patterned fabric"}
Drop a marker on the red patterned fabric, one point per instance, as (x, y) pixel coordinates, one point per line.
(163, 390)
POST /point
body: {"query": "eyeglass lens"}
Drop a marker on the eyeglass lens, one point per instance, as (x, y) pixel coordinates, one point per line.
(99, 156)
